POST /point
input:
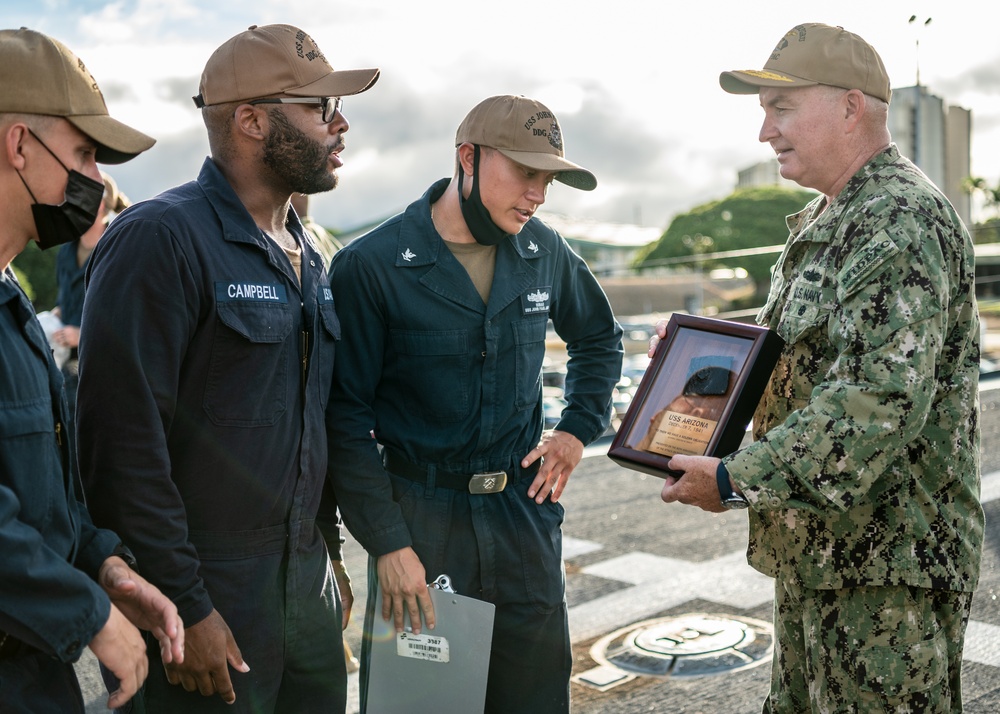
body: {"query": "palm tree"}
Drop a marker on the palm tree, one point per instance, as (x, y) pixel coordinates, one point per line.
(976, 184)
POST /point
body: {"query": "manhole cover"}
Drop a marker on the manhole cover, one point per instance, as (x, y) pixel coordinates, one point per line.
(693, 645)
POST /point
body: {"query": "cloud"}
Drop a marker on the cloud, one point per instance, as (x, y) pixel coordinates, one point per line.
(982, 79)
(635, 89)
(172, 161)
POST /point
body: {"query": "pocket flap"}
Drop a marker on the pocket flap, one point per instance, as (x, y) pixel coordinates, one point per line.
(257, 322)
(895, 670)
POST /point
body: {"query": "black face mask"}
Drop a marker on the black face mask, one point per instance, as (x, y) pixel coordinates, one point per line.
(73, 217)
(477, 217)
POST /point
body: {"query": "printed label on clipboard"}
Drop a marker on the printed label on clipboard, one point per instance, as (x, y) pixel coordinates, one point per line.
(426, 647)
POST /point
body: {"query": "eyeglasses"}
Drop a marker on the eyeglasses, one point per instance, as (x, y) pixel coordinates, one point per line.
(331, 105)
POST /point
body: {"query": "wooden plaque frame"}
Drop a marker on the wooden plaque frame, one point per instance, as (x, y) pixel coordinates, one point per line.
(698, 394)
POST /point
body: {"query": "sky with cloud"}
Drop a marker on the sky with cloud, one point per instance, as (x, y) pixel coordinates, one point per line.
(634, 84)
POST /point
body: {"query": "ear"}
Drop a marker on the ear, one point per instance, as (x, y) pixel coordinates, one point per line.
(855, 106)
(466, 158)
(13, 141)
(252, 121)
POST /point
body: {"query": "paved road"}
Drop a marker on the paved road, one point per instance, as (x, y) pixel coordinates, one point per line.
(631, 558)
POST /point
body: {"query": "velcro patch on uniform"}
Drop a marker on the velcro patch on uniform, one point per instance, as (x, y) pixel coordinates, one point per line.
(237, 291)
(324, 295)
(866, 261)
(812, 293)
(536, 300)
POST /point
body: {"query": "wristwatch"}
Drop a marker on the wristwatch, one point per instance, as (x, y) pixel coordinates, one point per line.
(730, 499)
(122, 551)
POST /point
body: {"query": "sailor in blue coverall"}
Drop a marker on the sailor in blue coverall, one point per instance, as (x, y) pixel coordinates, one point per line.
(210, 314)
(441, 359)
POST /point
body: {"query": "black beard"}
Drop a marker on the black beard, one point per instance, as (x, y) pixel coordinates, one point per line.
(295, 159)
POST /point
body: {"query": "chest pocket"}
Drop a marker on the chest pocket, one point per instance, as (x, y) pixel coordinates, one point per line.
(806, 311)
(29, 460)
(248, 376)
(327, 336)
(529, 353)
(433, 367)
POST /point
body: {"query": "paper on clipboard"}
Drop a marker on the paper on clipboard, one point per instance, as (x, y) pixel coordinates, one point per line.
(444, 669)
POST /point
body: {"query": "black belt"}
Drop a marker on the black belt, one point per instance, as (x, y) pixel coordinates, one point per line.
(476, 483)
(11, 647)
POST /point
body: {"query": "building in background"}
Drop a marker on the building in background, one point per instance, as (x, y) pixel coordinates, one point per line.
(763, 173)
(608, 248)
(936, 136)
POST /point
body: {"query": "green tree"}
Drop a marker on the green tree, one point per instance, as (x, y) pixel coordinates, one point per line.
(976, 184)
(748, 218)
(38, 267)
(987, 231)
(25, 283)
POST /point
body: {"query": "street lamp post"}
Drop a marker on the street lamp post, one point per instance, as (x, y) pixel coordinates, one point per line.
(917, 129)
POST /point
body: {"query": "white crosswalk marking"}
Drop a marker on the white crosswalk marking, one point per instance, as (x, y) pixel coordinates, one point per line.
(991, 487)
(982, 643)
(659, 583)
(575, 547)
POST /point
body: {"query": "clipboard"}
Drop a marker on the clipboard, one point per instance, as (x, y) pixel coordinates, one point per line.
(444, 669)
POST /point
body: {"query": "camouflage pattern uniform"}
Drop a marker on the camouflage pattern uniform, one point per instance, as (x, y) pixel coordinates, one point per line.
(864, 476)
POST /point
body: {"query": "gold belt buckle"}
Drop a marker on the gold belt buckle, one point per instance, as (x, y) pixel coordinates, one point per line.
(488, 482)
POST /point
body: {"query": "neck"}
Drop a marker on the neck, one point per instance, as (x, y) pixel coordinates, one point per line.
(9, 250)
(5, 259)
(83, 252)
(17, 225)
(447, 216)
(267, 206)
(861, 157)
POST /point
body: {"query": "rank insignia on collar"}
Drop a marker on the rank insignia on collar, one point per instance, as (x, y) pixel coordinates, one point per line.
(532, 247)
(408, 255)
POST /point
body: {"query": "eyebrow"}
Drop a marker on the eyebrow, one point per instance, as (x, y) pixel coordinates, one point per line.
(776, 99)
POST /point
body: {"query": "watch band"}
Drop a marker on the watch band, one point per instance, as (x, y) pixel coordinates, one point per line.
(122, 551)
(730, 500)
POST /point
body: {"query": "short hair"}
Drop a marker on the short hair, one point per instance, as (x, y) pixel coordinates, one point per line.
(219, 120)
(458, 159)
(35, 121)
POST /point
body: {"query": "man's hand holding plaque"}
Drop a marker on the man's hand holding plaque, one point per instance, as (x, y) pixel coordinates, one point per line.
(698, 393)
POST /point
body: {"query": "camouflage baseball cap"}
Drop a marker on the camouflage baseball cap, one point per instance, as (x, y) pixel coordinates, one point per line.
(812, 54)
(275, 59)
(524, 131)
(39, 75)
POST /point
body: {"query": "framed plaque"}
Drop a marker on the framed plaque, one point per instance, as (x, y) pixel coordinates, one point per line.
(698, 394)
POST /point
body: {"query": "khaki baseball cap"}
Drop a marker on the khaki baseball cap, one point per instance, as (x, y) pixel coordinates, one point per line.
(524, 131)
(813, 54)
(39, 75)
(275, 59)
(114, 200)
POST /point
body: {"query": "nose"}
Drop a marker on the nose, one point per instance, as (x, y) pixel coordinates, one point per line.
(339, 125)
(767, 131)
(90, 170)
(537, 191)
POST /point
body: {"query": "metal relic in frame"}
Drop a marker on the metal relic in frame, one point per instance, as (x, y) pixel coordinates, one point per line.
(698, 394)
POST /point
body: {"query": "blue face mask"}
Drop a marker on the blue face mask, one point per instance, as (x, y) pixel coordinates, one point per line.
(73, 217)
(476, 215)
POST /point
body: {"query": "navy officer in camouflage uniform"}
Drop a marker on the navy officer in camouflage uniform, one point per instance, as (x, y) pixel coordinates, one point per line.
(863, 480)
(445, 309)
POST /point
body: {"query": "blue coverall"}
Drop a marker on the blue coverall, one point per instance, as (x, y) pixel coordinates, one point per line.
(450, 385)
(50, 552)
(205, 372)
